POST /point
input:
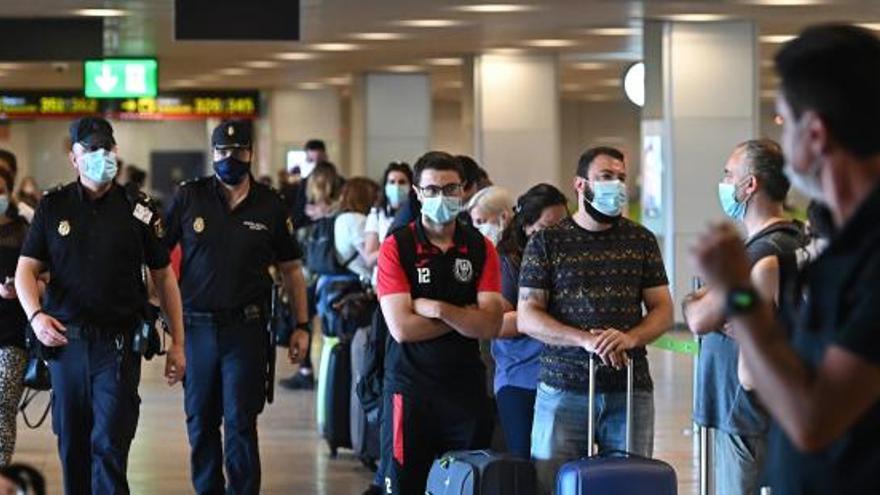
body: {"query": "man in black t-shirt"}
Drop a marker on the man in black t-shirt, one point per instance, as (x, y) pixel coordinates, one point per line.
(439, 287)
(821, 382)
(583, 283)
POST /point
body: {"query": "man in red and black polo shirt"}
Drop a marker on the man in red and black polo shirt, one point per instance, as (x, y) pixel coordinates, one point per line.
(439, 287)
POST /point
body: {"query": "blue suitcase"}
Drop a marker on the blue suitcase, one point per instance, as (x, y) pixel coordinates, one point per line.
(481, 472)
(615, 472)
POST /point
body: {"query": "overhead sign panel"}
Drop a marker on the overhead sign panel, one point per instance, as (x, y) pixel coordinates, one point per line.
(121, 78)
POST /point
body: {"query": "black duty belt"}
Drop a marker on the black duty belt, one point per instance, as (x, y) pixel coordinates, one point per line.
(95, 333)
(248, 313)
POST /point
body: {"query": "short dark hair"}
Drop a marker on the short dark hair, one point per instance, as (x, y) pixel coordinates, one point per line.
(402, 167)
(591, 154)
(766, 162)
(437, 160)
(9, 157)
(315, 145)
(473, 173)
(833, 69)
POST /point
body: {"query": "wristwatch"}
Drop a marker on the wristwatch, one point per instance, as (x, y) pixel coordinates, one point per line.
(741, 301)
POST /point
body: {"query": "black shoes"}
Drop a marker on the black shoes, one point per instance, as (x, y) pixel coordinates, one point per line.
(298, 381)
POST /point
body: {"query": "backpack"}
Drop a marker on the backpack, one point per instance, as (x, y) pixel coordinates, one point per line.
(321, 249)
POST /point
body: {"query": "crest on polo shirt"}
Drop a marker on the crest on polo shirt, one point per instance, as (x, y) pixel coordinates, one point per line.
(463, 270)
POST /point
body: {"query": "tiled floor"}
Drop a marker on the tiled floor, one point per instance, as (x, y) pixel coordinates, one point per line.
(295, 460)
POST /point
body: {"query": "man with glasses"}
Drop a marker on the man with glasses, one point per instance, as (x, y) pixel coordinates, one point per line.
(439, 287)
(231, 230)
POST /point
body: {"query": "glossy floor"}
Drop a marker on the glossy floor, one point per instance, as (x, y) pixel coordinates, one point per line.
(295, 460)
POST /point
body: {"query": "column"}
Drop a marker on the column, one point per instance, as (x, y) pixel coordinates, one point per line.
(295, 116)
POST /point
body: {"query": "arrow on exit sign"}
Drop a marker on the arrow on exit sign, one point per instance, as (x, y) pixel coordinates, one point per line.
(121, 78)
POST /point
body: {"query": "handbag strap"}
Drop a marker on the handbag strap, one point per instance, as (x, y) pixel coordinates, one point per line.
(29, 396)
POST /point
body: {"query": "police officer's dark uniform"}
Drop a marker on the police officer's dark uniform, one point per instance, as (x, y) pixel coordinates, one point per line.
(94, 250)
(435, 397)
(225, 285)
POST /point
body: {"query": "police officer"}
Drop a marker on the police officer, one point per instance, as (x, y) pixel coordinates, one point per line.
(231, 230)
(94, 239)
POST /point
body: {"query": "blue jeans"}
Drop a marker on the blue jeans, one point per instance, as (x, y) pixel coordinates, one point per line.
(516, 408)
(738, 463)
(559, 433)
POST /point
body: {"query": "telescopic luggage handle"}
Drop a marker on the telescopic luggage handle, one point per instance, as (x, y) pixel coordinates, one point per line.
(591, 408)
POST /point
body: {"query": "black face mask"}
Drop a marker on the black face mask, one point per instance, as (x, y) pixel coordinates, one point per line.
(593, 212)
(231, 170)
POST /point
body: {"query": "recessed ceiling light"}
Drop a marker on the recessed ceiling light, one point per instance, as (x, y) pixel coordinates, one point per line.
(777, 38)
(444, 62)
(429, 23)
(338, 81)
(550, 43)
(495, 8)
(608, 83)
(261, 64)
(589, 65)
(101, 12)
(784, 3)
(184, 83)
(614, 31)
(295, 56)
(10, 66)
(334, 47)
(311, 86)
(697, 17)
(233, 71)
(573, 87)
(378, 36)
(403, 68)
(451, 85)
(598, 98)
(505, 51)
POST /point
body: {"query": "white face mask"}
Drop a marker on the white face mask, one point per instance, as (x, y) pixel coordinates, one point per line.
(809, 184)
(491, 231)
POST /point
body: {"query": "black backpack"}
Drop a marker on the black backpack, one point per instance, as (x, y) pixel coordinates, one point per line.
(321, 249)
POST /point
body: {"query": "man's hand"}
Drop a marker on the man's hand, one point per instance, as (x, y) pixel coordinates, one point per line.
(720, 257)
(175, 364)
(49, 330)
(611, 344)
(299, 343)
(427, 308)
(7, 291)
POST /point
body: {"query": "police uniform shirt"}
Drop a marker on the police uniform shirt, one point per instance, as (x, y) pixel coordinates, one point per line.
(449, 364)
(227, 254)
(94, 250)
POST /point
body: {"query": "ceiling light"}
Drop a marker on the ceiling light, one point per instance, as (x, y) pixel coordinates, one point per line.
(634, 83)
(550, 43)
(697, 17)
(599, 98)
(101, 12)
(378, 36)
(573, 87)
(495, 8)
(777, 38)
(505, 51)
(784, 3)
(614, 31)
(875, 26)
(261, 64)
(335, 47)
(10, 66)
(295, 56)
(311, 86)
(184, 83)
(233, 71)
(452, 85)
(430, 23)
(403, 68)
(610, 83)
(444, 62)
(338, 81)
(589, 66)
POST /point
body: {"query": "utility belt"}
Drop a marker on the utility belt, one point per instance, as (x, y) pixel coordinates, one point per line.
(249, 313)
(101, 333)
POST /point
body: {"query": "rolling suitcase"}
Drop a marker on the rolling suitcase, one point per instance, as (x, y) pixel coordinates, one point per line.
(364, 434)
(481, 472)
(616, 472)
(336, 394)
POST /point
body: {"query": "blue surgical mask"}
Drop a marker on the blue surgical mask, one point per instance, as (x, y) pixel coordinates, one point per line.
(732, 208)
(441, 209)
(4, 203)
(99, 166)
(395, 194)
(609, 197)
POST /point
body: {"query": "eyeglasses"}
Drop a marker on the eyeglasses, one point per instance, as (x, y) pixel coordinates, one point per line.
(447, 190)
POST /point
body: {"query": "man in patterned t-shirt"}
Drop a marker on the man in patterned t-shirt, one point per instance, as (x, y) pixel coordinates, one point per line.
(583, 285)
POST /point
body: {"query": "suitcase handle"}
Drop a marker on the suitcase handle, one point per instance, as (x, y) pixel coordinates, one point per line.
(591, 408)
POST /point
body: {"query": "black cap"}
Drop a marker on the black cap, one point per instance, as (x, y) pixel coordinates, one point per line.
(92, 131)
(232, 134)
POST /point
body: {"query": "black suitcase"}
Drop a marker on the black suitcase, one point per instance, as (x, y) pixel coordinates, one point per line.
(337, 397)
(481, 472)
(364, 433)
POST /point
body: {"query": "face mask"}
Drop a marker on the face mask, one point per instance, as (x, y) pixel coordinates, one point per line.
(732, 208)
(491, 231)
(609, 197)
(231, 170)
(809, 184)
(99, 166)
(4, 203)
(441, 209)
(395, 194)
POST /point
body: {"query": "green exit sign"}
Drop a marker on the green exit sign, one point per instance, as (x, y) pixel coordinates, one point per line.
(121, 78)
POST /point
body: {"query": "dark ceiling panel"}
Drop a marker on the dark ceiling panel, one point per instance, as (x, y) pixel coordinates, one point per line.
(238, 20)
(45, 39)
